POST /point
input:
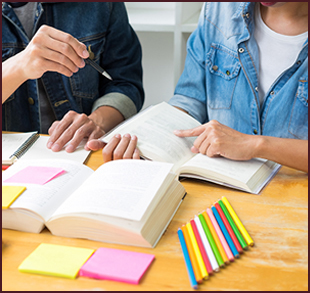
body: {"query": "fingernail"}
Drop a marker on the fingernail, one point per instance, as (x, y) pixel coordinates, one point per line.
(69, 148)
(49, 144)
(127, 135)
(177, 132)
(194, 150)
(56, 147)
(133, 137)
(85, 53)
(117, 136)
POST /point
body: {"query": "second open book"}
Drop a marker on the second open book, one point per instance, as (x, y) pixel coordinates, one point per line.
(154, 128)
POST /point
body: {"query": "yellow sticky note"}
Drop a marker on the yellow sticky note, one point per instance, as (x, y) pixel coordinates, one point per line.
(10, 193)
(56, 260)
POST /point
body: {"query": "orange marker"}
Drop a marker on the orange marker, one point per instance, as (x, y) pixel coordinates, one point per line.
(192, 255)
(216, 238)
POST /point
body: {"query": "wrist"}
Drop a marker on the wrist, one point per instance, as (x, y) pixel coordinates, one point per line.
(259, 146)
(106, 117)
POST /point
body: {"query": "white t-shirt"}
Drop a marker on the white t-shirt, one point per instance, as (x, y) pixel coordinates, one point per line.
(276, 53)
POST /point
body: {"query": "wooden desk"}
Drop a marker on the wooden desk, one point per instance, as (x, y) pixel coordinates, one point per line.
(277, 220)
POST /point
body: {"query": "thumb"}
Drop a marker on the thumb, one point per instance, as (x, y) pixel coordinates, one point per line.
(189, 132)
(95, 144)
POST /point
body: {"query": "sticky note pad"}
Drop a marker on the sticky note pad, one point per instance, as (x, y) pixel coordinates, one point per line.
(35, 175)
(56, 260)
(117, 265)
(10, 193)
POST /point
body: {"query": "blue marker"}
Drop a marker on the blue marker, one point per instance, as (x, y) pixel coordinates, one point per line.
(188, 263)
(225, 232)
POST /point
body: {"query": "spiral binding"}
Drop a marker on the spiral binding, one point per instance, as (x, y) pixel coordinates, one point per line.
(25, 146)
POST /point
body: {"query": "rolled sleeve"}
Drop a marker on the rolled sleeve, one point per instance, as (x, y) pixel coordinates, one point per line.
(119, 101)
(192, 106)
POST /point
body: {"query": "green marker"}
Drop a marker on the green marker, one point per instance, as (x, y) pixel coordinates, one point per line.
(215, 250)
(233, 225)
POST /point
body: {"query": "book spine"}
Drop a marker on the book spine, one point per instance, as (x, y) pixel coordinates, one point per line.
(25, 146)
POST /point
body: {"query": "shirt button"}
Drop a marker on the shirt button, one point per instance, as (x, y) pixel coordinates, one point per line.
(228, 72)
(247, 15)
(215, 68)
(37, 13)
(272, 93)
(298, 62)
(30, 101)
(255, 131)
(241, 50)
(256, 89)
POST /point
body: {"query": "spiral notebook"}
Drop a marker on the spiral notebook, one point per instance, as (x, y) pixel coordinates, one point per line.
(32, 146)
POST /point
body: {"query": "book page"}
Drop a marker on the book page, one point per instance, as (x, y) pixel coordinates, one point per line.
(12, 141)
(44, 199)
(39, 151)
(156, 140)
(222, 168)
(122, 188)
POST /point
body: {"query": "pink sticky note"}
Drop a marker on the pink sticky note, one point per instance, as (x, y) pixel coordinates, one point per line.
(35, 175)
(117, 265)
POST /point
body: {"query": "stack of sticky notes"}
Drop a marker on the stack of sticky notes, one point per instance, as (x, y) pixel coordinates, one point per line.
(104, 263)
(212, 239)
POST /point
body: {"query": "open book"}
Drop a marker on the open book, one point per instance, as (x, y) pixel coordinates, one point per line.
(126, 201)
(32, 146)
(154, 128)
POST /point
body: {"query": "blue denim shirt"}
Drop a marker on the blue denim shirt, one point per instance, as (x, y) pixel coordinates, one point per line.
(101, 26)
(220, 79)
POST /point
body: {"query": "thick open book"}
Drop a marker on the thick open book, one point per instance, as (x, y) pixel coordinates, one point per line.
(32, 146)
(154, 128)
(126, 201)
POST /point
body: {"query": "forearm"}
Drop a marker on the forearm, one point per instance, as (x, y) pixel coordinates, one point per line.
(12, 76)
(289, 152)
(106, 117)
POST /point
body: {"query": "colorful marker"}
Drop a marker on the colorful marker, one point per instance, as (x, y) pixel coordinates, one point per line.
(240, 226)
(188, 264)
(220, 235)
(233, 226)
(199, 233)
(197, 252)
(216, 239)
(211, 240)
(192, 255)
(230, 231)
(225, 232)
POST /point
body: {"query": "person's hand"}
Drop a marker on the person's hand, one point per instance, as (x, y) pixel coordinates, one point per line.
(117, 148)
(72, 129)
(215, 139)
(52, 50)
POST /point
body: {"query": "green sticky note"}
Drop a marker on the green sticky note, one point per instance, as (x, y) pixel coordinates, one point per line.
(10, 193)
(56, 260)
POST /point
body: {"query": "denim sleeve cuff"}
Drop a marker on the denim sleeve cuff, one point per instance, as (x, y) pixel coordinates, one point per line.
(194, 107)
(119, 101)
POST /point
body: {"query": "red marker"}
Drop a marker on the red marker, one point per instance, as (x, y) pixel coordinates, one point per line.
(202, 249)
(229, 229)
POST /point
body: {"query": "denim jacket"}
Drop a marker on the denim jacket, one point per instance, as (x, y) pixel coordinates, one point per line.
(103, 27)
(220, 79)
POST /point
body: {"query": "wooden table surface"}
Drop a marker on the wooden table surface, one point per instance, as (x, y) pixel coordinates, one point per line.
(277, 220)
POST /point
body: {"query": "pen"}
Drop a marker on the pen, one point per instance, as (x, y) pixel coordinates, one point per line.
(98, 68)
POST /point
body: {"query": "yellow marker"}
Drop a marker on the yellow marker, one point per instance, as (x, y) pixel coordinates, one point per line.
(240, 226)
(197, 252)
